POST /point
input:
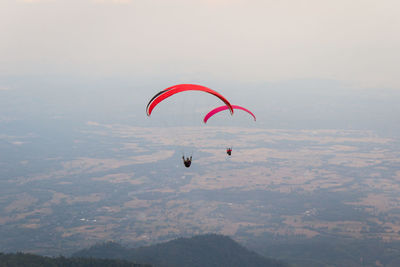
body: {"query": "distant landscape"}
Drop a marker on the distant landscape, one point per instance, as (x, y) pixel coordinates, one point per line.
(278, 183)
(70, 182)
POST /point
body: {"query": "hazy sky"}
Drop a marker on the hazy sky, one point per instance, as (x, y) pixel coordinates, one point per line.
(355, 41)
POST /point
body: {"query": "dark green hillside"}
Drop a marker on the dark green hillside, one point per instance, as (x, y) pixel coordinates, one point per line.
(205, 250)
(23, 260)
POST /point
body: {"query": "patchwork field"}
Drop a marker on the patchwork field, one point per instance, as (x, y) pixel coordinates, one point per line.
(129, 184)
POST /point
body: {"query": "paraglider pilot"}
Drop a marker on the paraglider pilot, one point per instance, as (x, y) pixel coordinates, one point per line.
(229, 151)
(187, 161)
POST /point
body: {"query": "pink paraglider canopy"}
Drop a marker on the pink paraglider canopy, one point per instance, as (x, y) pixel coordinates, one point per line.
(222, 108)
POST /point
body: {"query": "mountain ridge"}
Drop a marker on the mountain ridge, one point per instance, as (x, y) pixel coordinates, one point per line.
(202, 250)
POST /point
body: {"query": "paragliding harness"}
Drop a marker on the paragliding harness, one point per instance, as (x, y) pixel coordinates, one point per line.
(229, 151)
(187, 161)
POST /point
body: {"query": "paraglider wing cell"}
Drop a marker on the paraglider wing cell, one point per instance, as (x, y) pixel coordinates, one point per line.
(170, 91)
(222, 108)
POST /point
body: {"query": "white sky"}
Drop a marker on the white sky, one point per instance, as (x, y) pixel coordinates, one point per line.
(356, 41)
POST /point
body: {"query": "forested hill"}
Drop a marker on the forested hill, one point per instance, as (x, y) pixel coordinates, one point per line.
(23, 260)
(204, 250)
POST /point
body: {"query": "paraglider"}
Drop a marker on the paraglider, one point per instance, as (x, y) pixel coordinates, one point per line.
(187, 162)
(222, 108)
(170, 91)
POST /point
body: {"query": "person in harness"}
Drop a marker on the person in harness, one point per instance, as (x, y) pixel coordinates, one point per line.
(187, 162)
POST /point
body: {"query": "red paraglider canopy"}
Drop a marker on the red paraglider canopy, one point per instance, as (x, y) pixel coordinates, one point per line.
(181, 88)
(219, 109)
